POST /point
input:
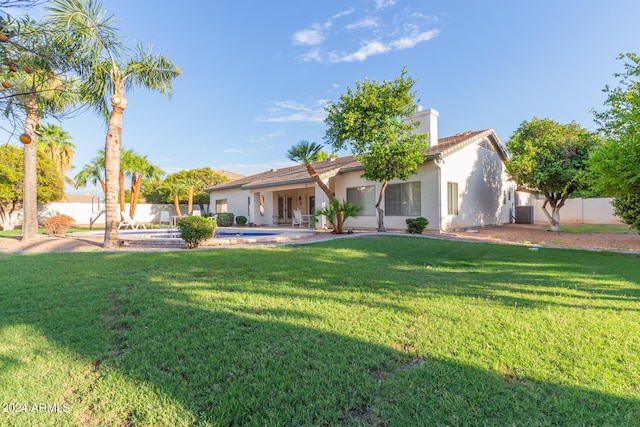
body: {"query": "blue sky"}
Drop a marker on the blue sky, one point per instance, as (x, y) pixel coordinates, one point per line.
(257, 74)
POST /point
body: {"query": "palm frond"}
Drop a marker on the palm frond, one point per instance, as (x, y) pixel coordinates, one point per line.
(152, 71)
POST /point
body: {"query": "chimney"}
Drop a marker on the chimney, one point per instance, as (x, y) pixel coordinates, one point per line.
(428, 123)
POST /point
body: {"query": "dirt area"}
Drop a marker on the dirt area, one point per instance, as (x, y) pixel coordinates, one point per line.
(537, 235)
(529, 235)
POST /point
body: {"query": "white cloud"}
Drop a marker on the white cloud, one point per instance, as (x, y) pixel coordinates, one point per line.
(368, 22)
(292, 111)
(412, 40)
(316, 34)
(381, 4)
(367, 50)
(388, 31)
(233, 150)
(312, 37)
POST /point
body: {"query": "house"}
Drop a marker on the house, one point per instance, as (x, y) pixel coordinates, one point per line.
(462, 183)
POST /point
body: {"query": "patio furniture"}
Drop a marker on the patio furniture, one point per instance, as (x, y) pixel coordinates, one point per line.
(299, 219)
(164, 217)
(127, 222)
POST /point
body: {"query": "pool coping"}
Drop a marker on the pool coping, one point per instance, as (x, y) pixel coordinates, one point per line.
(283, 235)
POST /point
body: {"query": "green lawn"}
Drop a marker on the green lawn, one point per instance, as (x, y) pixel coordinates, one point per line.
(382, 331)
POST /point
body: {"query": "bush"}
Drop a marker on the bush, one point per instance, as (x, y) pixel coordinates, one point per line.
(628, 209)
(416, 225)
(241, 220)
(58, 225)
(225, 219)
(196, 229)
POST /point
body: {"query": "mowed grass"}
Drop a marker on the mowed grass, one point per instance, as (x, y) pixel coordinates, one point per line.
(381, 331)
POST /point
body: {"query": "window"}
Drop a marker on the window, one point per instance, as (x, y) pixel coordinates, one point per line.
(452, 198)
(363, 196)
(221, 205)
(403, 199)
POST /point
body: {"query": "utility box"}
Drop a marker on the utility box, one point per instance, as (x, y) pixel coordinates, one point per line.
(524, 214)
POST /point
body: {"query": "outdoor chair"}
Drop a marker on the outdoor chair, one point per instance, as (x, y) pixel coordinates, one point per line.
(127, 221)
(164, 217)
(298, 219)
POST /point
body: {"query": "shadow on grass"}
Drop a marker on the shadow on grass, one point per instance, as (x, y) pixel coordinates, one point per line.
(198, 329)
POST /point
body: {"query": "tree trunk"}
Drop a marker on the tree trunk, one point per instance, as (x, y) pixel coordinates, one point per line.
(554, 215)
(379, 210)
(30, 180)
(121, 190)
(176, 204)
(190, 202)
(330, 196)
(136, 182)
(112, 169)
(9, 215)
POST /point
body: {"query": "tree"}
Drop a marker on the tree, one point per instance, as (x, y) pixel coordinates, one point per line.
(615, 165)
(35, 85)
(551, 158)
(110, 71)
(140, 168)
(306, 153)
(154, 190)
(175, 189)
(190, 183)
(92, 172)
(50, 186)
(56, 144)
(372, 120)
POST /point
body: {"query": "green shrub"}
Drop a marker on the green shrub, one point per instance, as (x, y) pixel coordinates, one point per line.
(416, 225)
(196, 229)
(58, 225)
(348, 210)
(628, 209)
(209, 214)
(241, 220)
(225, 219)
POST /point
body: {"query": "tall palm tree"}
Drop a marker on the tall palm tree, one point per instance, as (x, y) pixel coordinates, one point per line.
(306, 152)
(56, 144)
(109, 71)
(38, 88)
(92, 172)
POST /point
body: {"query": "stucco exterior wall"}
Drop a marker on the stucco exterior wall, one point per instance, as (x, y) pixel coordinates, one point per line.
(427, 175)
(485, 196)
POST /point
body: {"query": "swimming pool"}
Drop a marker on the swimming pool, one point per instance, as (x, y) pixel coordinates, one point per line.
(174, 233)
(224, 236)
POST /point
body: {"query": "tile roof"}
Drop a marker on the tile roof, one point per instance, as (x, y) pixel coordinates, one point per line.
(328, 168)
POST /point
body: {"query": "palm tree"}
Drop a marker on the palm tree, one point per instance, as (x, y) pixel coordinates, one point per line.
(92, 172)
(306, 153)
(190, 183)
(37, 89)
(175, 189)
(57, 145)
(140, 168)
(109, 71)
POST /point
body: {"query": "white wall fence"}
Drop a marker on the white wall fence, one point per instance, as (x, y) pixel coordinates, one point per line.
(84, 213)
(579, 211)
